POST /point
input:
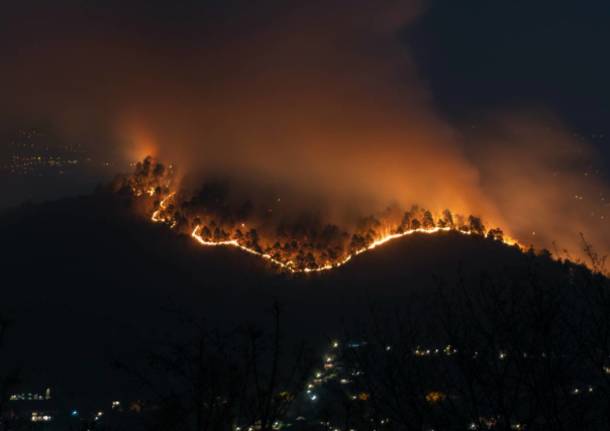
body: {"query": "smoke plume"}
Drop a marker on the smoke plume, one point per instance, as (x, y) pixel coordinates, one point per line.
(318, 101)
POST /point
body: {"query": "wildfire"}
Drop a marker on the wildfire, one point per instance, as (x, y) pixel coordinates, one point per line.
(289, 265)
(296, 255)
(164, 214)
(156, 215)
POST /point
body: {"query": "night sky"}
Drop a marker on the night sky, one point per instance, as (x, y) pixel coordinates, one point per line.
(473, 55)
(478, 55)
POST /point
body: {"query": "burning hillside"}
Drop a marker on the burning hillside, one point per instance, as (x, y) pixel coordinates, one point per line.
(327, 99)
(212, 217)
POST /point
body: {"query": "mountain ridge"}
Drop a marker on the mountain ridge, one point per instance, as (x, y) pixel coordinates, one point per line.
(82, 265)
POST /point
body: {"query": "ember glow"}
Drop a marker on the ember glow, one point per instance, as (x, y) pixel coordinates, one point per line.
(290, 265)
(316, 250)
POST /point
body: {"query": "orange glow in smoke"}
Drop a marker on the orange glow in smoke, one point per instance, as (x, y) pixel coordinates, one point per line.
(140, 141)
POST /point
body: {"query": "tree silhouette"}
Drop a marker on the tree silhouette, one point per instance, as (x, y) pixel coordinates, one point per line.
(515, 351)
(217, 380)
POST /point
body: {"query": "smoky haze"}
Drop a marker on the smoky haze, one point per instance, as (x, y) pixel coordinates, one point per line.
(320, 100)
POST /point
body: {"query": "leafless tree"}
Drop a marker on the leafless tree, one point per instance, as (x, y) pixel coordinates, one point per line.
(208, 379)
(273, 376)
(512, 351)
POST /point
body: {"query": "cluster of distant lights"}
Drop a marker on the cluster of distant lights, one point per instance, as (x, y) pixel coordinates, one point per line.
(327, 373)
(29, 397)
(33, 164)
(319, 377)
(47, 417)
(31, 156)
(41, 417)
(489, 423)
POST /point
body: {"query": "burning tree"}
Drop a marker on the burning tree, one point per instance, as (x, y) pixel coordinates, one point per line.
(305, 244)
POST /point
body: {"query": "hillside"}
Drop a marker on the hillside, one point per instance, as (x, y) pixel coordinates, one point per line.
(74, 270)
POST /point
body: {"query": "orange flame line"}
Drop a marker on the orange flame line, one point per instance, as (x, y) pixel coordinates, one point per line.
(289, 265)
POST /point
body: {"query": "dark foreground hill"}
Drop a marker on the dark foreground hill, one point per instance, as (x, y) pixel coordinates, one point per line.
(87, 280)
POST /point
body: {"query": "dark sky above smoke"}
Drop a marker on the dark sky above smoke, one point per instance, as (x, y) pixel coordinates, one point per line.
(468, 105)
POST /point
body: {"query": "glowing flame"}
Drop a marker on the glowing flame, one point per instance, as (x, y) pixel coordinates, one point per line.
(289, 265)
(152, 179)
(156, 215)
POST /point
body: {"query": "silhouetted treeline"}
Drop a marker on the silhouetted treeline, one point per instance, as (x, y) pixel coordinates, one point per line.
(303, 242)
(507, 353)
(206, 379)
(516, 350)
